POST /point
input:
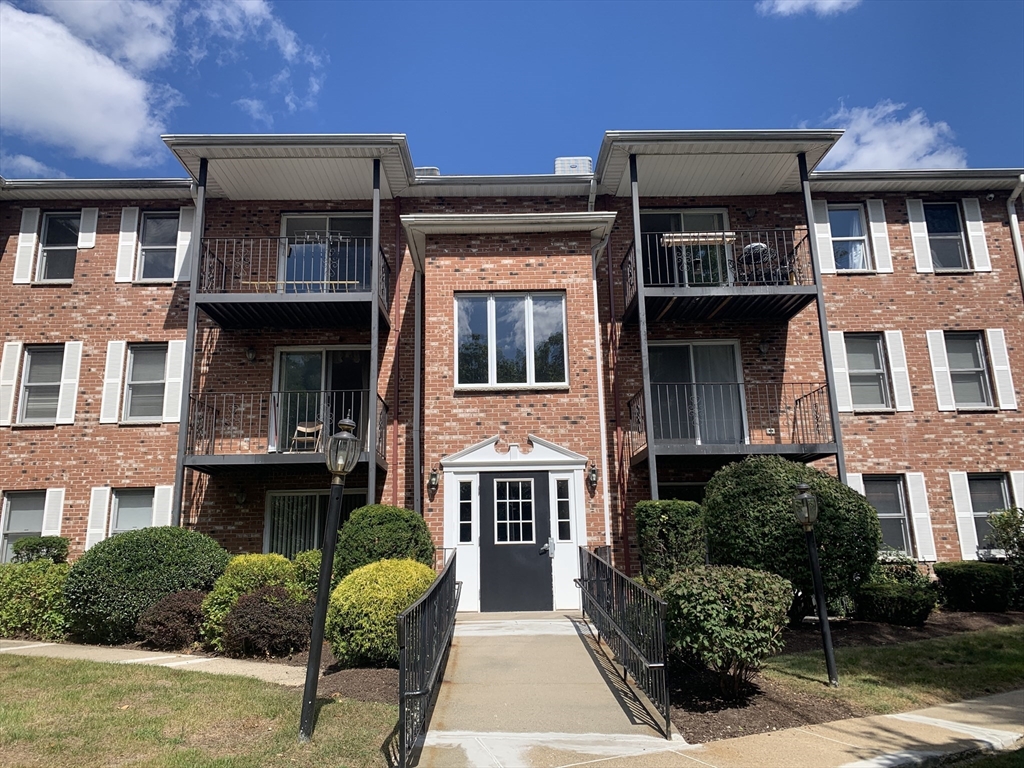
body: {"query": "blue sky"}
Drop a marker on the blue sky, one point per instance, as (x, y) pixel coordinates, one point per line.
(87, 86)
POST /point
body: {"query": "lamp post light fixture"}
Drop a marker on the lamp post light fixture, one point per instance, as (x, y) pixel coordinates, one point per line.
(341, 454)
(805, 509)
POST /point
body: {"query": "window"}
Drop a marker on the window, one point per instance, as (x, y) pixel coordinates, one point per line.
(22, 517)
(849, 237)
(327, 254)
(869, 380)
(514, 339)
(59, 246)
(888, 497)
(144, 394)
(158, 247)
(465, 512)
(989, 493)
(132, 509)
(562, 507)
(40, 388)
(687, 248)
(968, 372)
(296, 520)
(513, 511)
(945, 236)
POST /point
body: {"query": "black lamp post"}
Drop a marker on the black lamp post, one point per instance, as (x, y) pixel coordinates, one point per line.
(805, 508)
(341, 454)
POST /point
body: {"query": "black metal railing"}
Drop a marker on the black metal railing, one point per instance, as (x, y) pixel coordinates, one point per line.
(223, 423)
(629, 274)
(631, 620)
(425, 632)
(310, 264)
(760, 257)
(787, 413)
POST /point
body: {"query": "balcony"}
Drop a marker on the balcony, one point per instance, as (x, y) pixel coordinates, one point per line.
(282, 282)
(234, 429)
(733, 419)
(688, 276)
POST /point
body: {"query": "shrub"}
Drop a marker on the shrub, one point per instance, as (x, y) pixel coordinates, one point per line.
(116, 580)
(361, 619)
(380, 532)
(895, 602)
(307, 569)
(52, 548)
(272, 621)
(1008, 535)
(173, 621)
(32, 600)
(670, 535)
(895, 567)
(244, 574)
(729, 619)
(750, 523)
(974, 586)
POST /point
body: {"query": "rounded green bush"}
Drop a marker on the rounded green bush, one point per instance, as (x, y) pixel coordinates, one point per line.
(972, 586)
(749, 517)
(32, 601)
(379, 532)
(116, 580)
(895, 602)
(670, 536)
(307, 569)
(244, 574)
(362, 616)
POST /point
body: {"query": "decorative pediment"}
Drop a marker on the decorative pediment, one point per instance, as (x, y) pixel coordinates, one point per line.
(485, 455)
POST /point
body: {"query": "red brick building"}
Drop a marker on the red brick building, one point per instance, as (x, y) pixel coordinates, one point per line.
(525, 356)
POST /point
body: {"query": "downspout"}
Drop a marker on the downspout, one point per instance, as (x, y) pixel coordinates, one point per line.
(371, 438)
(613, 359)
(595, 252)
(826, 348)
(417, 395)
(190, 345)
(397, 364)
(1018, 248)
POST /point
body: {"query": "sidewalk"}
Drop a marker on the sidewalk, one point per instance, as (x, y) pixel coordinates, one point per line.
(535, 691)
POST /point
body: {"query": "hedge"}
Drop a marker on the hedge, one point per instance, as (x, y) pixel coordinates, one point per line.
(52, 548)
(32, 601)
(974, 586)
(272, 621)
(379, 532)
(895, 602)
(670, 536)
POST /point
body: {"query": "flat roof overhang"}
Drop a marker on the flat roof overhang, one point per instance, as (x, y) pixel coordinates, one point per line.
(709, 163)
(939, 180)
(95, 189)
(296, 166)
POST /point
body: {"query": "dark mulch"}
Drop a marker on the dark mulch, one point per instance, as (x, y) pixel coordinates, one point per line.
(365, 684)
(701, 713)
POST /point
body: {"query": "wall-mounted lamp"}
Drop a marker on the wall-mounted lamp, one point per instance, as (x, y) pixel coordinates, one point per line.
(763, 346)
(990, 196)
(250, 354)
(240, 496)
(592, 476)
(751, 213)
(432, 480)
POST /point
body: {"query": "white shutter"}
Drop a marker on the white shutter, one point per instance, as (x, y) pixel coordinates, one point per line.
(110, 407)
(68, 393)
(840, 372)
(126, 241)
(976, 235)
(99, 503)
(879, 236)
(919, 236)
(1017, 484)
(856, 481)
(823, 236)
(173, 374)
(964, 515)
(53, 508)
(920, 517)
(898, 370)
(163, 495)
(996, 340)
(182, 257)
(28, 236)
(940, 371)
(8, 380)
(87, 228)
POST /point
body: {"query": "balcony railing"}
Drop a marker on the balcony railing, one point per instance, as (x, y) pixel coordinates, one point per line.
(245, 423)
(789, 413)
(282, 265)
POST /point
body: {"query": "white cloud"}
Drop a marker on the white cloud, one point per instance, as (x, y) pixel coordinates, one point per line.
(877, 138)
(139, 34)
(55, 89)
(817, 7)
(237, 20)
(256, 109)
(25, 167)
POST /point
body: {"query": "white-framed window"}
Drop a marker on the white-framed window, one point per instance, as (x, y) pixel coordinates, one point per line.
(691, 247)
(975, 496)
(968, 370)
(40, 384)
(948, 236)
(465, 512)
(153, 246)
(869, 377)
(157, 246)
(46, 391)
(59, 246)
(295, 520)
(849, 237)
(511, 339)
(114, 510)
(989, 493)
(144, 382)
(563, 509)
(131, 509)
(514, 512)
(22, 517)
(888, 496)
(969, 367)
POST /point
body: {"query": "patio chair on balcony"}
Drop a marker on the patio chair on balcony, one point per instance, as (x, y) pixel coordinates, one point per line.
(760, 264)
(307, 436)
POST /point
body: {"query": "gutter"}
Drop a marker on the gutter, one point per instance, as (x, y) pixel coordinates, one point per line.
(599, 355)
(1011, 210)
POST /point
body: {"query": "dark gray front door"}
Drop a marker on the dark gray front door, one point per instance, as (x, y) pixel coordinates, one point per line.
(515, 523)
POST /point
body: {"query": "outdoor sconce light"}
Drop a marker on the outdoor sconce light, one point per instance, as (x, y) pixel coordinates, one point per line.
(763, 346)
(250, 354)
(805, 509)
(432, 481)
(341, 455)
(240, 496)
(592, 476)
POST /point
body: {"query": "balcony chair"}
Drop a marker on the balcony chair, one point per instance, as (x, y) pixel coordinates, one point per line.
(307, 436)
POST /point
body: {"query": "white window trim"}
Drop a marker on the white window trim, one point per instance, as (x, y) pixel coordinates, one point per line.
(886, 374)
(38, 265)
(68, 362)
(985, 371)
(972, 235)
(866, 238)
(53, 509)
(26, 255)
(492, 358)
(126, 394)
(114, 507)
(143, 215)
(959, 482)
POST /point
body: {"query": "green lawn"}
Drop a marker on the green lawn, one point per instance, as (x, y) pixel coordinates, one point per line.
(897, 678)
(76, 713)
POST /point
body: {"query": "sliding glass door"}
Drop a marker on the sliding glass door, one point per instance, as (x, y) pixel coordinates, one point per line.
(697, 393)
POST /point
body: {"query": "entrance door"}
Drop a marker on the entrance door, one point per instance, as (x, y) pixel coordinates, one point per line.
(515, 530)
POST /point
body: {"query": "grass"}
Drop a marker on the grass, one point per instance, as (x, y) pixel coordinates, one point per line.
(55, 712)
(912, 675)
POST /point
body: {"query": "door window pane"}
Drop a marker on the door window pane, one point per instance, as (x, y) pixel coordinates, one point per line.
(23, 517)
(133, 509)
(59, 246)
(465, 512)
(513, 511)
(562, 507)
(41, 384)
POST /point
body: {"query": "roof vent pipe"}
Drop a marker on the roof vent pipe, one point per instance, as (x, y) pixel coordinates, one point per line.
(573, 166)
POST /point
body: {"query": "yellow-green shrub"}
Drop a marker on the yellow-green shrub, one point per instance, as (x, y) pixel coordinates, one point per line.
(364, 607)
(32, 600)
